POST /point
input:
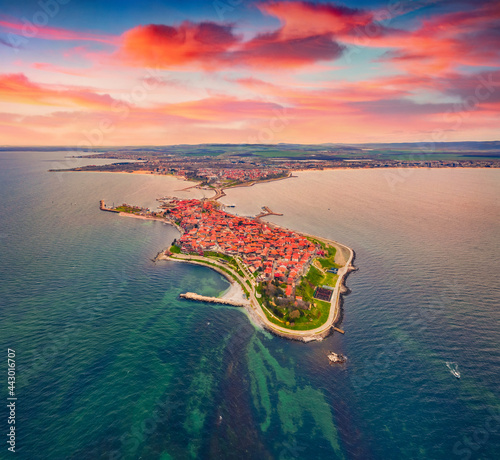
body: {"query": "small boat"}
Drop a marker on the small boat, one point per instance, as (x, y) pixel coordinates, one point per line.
(336, 358)
(453, 367)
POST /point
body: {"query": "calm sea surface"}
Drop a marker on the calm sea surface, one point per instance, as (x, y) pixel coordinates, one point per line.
(111, 364)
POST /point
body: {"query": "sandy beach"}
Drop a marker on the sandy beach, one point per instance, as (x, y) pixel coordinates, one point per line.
(234, 292)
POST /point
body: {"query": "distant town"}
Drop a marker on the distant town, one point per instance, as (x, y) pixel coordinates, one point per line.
(225, 165)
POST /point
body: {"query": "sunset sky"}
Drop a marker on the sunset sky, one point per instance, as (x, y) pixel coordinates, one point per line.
(99, 73)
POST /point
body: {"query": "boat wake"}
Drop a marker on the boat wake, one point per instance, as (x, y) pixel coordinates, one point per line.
(453, 367)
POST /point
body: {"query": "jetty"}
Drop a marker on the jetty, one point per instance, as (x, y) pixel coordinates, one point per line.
(219, 193)
(202, 298)
(266, 211)
(102, 207)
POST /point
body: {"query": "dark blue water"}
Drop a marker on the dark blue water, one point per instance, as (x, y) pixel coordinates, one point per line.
(112, 364)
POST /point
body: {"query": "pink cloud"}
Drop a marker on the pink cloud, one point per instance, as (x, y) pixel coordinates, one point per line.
(17, 88)
(212, 46)
(301, 19)
(55, 69)
(165, 46)
(446, 41)
(28, 30)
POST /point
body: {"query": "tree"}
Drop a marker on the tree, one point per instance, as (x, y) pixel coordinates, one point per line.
(295, 314)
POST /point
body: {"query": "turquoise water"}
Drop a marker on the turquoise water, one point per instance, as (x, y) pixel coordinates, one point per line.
(112, 364)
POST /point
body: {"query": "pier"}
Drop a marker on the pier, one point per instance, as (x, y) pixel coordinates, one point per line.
(102, 207)
(202, 298)
(266, 211)
(219, 193)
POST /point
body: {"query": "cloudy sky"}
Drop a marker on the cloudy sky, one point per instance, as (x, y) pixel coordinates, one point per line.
(97, 73)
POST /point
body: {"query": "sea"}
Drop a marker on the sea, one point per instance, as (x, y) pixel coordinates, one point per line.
(111, 364)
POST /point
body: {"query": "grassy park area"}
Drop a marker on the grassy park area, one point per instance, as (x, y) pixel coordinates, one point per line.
(129, 209)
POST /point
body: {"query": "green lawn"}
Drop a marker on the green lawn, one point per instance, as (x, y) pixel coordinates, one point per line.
(129, 209)
(315, 241)
(305, 290)
(328, 261)
(330, 279)
(230, 260)
(314, 276)
(309, 319)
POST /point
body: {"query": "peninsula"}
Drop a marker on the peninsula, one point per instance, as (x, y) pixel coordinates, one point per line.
(292, 282)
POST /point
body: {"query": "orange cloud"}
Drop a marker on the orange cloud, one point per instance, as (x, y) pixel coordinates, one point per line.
(17, 88)
(446, 41)
(165, 46)
(212, 46)
(221, 109)
(54, 68)
(413, 103)
(337, 111)
(301, 19)
(329, 97)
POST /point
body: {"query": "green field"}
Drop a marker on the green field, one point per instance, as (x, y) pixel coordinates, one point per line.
(224, 257)
(382, 151)
(175, 249)
(281, 153)
(129, 209)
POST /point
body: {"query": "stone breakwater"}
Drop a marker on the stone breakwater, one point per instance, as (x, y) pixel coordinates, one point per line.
(202, 298)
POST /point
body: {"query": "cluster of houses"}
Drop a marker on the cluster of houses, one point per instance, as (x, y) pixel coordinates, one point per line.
(276, 253)
(239, 174)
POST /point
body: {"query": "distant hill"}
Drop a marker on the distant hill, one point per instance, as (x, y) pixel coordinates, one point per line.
(439, 150)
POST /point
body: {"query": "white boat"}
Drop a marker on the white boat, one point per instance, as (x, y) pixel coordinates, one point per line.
(453, 367)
